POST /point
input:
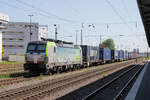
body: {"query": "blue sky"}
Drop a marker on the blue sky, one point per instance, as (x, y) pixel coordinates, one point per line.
(69, 14)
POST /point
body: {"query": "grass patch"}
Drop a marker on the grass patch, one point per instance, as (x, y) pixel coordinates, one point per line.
(5, 76)
(33, 80)
(3, 86)
(147, 58)
(7, 62)
(41, 76)
(104, 75)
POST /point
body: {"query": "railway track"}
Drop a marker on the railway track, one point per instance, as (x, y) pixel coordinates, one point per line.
(11, 69)
(19, 77)
(14, 74)
(10, 81)
(51, 86)
(10, 66)
(115, 88)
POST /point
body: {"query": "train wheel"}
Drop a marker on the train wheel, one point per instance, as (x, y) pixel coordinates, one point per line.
(47, 72)
(88, 64)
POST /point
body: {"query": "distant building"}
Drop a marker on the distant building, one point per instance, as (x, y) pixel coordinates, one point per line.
(3, 21)
(17, 35)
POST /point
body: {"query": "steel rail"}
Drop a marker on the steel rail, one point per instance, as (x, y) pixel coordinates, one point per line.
(127, 84)
(107, 84)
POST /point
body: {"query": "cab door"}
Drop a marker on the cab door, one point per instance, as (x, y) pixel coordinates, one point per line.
(51, 54)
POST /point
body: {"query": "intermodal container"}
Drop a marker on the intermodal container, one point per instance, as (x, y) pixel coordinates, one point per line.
(125, 55)
(134, 54)
(90, 53)
(121, 55)
(130, 55)
(105, 54)
(114, 54)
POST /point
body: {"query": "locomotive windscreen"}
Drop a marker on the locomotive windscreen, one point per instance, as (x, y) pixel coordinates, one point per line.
(36, 48)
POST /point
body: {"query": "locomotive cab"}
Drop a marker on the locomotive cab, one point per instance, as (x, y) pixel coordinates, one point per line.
(35, 55)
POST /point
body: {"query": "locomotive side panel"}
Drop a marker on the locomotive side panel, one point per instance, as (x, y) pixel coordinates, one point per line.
(66, 56)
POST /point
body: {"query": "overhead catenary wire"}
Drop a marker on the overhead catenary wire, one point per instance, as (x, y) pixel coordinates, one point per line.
(45, 12)
(16, 7)
(75, 10)
(138, 35)
(43, 15)
(116, 12)
(105, 23)
(68, 20)
(19, 8)
(128, 15)
(136, 24)
(126, 9)
(121, 18)
(50, 17)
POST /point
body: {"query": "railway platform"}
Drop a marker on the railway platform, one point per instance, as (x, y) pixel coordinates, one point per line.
(141, 88)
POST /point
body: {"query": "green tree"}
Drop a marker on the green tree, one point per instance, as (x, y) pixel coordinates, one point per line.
(109, 43)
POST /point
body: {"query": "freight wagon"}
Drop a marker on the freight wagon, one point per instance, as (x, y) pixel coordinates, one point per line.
(90, 55)
(130, 55)
(134, 54)
(121, 55)
(114, 55)
(125, 55)
(49, 56)
(140, 55)
(105, 55)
